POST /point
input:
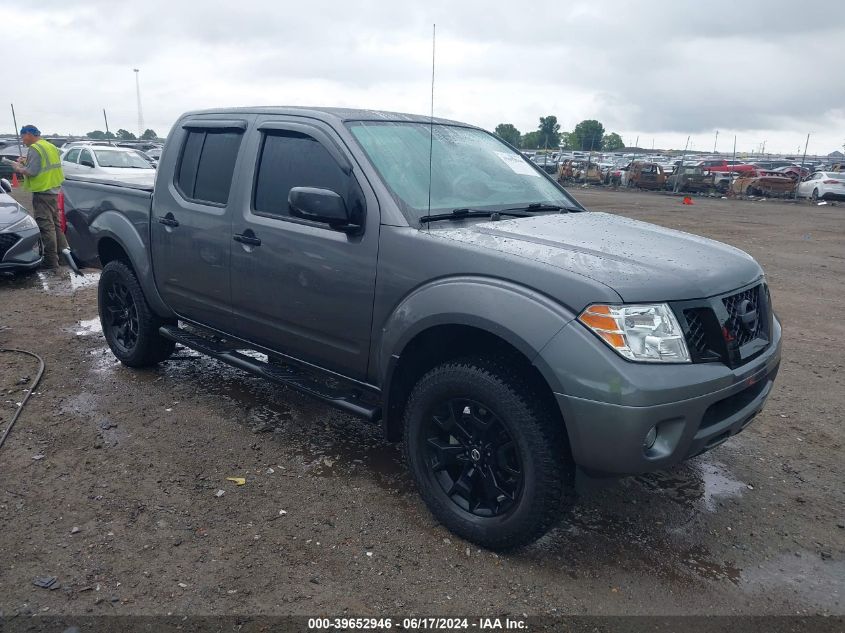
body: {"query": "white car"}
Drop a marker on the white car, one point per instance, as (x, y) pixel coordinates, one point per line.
(108, 163)
(823, 185)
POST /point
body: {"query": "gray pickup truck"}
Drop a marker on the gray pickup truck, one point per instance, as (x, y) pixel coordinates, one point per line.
(423, 274)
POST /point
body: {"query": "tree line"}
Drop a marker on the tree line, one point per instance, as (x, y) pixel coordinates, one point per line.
(588, 135)
(122, 135)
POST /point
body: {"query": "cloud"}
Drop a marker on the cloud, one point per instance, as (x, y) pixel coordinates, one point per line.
(663, 69)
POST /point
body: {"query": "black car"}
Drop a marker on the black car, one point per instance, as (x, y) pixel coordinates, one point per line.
(9, 152)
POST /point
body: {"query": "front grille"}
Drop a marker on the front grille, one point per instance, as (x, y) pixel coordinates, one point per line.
(716, 332)
(7, 241)
(736, 329)
(696, 336)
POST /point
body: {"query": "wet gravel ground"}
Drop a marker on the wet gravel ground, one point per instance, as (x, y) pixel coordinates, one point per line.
(115, 480)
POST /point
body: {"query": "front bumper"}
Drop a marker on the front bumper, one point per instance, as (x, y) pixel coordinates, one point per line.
(21, 250)
(609, 404)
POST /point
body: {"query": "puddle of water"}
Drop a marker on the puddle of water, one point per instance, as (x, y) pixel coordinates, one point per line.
(104, 361)
(61, 284)
(698, 560)
(700, 483)
(86, 280)
(87, 327)
(657, 523)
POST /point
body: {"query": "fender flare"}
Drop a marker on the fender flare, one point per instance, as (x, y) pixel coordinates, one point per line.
(116, 226)
(522, 317)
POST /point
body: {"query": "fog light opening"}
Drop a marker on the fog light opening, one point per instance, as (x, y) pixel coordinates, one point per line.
(650, 438)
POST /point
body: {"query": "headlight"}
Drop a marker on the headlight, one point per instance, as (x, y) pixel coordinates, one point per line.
(26, 222)
(639, 332)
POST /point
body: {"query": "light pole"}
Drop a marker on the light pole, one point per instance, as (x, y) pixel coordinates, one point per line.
(138, 96)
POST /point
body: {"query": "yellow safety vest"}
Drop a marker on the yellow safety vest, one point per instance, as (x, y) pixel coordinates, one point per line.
(51, 174)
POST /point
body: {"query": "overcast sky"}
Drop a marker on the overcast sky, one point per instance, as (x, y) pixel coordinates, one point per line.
(760, 70)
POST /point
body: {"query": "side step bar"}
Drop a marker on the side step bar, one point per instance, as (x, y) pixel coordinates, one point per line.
(350, 398)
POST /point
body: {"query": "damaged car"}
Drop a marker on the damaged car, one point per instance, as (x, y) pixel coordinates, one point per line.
(644, 175)
(765, 183)
(690, 179)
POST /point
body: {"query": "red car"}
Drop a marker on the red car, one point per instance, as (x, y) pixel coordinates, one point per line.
(720, 165)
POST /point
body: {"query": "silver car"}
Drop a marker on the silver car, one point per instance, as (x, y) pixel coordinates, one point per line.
(108, 163)
(20, 240)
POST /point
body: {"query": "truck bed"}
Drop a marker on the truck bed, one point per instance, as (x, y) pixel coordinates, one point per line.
(87, 199)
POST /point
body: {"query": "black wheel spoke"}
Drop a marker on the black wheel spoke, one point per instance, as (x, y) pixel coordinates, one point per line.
(445, 455)
(121, 315)
(463, 485)
(450, 419)
(473, 457)
(493, 494)
(506, 459)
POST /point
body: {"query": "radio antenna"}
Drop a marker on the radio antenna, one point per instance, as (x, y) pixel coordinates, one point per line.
(431, 117)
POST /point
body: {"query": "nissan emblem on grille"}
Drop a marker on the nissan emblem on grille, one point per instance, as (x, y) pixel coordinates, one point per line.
(747, 316)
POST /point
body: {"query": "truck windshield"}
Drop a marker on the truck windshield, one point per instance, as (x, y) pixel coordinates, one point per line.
(470, 169)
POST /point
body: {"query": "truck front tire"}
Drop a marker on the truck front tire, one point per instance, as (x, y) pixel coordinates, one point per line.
(129, 325)
(489, 458)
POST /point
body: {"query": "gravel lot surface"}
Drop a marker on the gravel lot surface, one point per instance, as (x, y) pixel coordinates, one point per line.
(115, 480)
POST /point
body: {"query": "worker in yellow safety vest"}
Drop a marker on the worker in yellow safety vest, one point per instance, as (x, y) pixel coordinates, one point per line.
(42, 175)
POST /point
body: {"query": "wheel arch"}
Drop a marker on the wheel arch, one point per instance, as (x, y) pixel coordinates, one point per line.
(440, 343)
(117, 238)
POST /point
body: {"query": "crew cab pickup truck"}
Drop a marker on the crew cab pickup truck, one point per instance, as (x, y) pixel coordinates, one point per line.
(424, 275)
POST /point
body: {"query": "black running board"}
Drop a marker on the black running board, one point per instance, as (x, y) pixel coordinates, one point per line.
(348, 397)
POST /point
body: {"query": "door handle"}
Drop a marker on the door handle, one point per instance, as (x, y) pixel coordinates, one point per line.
(247, 238)
(168, 220)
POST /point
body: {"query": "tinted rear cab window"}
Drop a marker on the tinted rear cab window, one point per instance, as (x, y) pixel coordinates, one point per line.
(207, 164)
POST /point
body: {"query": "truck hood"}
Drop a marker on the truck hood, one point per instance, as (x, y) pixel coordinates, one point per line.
(640, 261)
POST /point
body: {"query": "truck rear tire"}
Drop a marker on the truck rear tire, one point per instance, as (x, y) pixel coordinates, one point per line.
(129, 325)
(490, 459)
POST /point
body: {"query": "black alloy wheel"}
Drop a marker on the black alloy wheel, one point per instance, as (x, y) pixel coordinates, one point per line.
(121, 314)
(488, 451)
(473, 458)
(130, 327)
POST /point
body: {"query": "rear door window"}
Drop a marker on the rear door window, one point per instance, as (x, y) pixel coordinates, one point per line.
(72, 156)
(207, 164)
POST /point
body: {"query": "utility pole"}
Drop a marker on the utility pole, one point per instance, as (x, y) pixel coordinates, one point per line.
(716, 141)
(680, 167)
(106, 119)
(730, 174)
(17, 130)
(138, 96)
(803, 159)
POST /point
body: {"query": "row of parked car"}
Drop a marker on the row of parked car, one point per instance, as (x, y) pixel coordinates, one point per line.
(100, 159)
(714, 175)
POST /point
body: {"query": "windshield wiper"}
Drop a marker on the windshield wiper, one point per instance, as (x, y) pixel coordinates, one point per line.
(460, 214)
(541, 206)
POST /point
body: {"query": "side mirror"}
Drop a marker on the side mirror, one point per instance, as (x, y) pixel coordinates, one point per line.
(321, 205)
(5, 185)
(87, 163)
